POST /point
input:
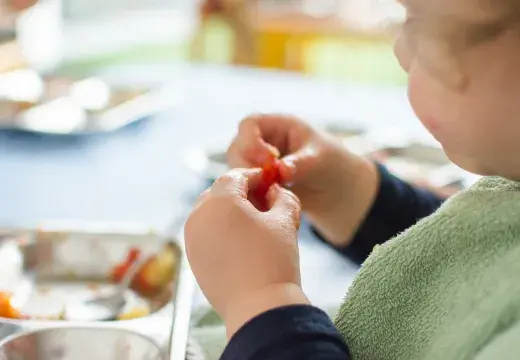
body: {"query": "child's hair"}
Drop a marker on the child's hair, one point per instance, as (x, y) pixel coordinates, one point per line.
(437, 41)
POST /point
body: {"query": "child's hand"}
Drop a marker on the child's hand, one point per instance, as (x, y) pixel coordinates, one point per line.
(246, 261)
(336, 187)
(19, 5)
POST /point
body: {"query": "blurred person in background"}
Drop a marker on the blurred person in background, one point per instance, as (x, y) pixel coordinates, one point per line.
(238, 15)
(446, 286)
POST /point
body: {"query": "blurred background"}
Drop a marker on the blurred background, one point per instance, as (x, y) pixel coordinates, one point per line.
(336, 39)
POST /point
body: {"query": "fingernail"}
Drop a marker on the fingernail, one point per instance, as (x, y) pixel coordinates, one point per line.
(272, 191)
(273, 150)
(290, 166)
(289, 184)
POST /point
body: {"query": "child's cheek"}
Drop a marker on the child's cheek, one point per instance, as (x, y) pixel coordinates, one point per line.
(421, 94)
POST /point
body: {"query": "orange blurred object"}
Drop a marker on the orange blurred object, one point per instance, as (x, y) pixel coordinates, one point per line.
(270, 176)
(153, 276)
(120, 270)
(136, 313)
(6, 309)
(156, 272)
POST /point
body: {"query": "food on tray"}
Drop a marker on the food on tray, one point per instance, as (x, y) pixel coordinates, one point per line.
(56, 87)
(96, 95)
(22, 85)
(26, 89)
(11, 109)
(7, 310)
(56, 268)
(120, 270)
(91, 94)
(155, 274)
(135, 313)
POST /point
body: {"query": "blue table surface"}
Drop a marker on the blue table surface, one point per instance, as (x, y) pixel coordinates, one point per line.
(139, 174)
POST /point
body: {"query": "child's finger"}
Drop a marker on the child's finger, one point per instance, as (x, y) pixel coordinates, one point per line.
(251, 143)
(284, 204)
(295, 165)
(236, 158)
(236, 182)
(201, 198)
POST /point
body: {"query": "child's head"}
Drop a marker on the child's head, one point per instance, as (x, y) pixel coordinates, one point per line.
(463, 61)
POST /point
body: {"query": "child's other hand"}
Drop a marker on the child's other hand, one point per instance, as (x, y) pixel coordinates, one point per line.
(246, 261)
(336, 187)
(20, 5)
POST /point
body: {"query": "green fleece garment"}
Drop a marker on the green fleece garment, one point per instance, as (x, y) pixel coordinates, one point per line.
(446, 289)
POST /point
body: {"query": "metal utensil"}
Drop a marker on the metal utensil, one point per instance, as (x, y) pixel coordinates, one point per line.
(105, 307)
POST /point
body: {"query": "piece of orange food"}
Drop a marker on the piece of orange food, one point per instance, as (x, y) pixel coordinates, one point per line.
(135, 313)
(154, 276)
(7, 310)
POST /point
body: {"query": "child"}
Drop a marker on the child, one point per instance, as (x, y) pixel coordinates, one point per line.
(446, 288)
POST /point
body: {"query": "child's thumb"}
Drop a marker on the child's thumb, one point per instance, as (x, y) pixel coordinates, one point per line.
(284, 204)
(297, 164)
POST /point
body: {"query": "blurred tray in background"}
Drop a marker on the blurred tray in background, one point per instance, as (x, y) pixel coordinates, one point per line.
(56, 104)
(42, 270)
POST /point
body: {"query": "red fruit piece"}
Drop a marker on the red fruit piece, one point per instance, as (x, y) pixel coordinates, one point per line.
(119, 271)
(270, 176)
(133, 255)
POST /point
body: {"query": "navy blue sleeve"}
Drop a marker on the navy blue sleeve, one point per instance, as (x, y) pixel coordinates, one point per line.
(299, 332)
(398, 206)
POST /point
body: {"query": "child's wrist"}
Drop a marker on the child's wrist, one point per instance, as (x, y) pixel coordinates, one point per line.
(241, 311)
(339, 220)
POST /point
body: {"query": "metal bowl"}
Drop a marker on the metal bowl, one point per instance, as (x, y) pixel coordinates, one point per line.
(80, 344)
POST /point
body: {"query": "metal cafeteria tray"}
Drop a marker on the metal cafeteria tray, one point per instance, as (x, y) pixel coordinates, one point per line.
(418, 162)
(344, 129)
(44, 269)
(354, 137)
(83, 107)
